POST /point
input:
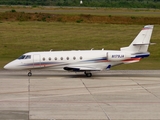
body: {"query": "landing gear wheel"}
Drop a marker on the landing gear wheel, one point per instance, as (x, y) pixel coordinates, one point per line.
(30, 74)
(88, 74)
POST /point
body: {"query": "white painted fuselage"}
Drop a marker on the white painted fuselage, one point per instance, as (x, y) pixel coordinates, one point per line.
(85, 60)
(57, 60)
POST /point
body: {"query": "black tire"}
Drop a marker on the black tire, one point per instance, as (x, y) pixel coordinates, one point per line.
(88, 74)
(29, 74)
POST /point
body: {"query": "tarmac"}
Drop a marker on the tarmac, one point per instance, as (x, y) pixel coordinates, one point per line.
(109, 95)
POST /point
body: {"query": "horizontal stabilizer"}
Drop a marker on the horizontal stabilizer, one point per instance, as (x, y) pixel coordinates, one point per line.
(143, 44)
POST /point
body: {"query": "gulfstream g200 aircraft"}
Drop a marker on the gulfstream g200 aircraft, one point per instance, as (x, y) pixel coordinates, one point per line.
(85, 60)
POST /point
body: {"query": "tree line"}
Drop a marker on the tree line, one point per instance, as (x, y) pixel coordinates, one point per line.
(87, 3)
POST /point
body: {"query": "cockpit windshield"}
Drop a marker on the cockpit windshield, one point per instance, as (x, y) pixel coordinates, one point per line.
(22, 57)
(25, 57)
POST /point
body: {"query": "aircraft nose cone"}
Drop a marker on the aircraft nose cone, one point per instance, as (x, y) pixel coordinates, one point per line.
(11, 66)
(7, 67)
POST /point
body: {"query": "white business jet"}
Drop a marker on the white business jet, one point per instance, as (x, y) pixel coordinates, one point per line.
(85, 61)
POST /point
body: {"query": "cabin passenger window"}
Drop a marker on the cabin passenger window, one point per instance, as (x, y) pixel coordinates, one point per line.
(43, 59)
(74, 58)
(67, 58)
(81, 57)
(55, 58)
(49, 58)
(61, 58)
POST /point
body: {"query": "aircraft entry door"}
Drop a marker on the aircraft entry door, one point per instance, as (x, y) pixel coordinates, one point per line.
(36, 61)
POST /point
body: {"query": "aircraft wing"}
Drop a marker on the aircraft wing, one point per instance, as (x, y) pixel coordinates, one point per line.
(81, 69)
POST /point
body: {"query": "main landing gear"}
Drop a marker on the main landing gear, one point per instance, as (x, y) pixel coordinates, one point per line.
(30, 73)
(88, 74)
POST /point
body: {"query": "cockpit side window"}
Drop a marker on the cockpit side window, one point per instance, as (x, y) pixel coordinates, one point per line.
(22, 57)
(28, 57)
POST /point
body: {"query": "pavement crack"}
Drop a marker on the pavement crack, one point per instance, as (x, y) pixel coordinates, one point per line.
(95, 100)
(145, 88)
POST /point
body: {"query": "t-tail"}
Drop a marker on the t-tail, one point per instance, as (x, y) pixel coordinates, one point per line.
(141, 43)
(139, 47)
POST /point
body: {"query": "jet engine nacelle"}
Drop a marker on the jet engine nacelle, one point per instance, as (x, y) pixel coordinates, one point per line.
(117, 56)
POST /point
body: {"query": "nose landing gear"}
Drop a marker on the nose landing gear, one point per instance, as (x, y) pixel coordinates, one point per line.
(30, 73)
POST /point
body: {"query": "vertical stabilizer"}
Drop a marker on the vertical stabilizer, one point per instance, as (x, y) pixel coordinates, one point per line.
(141, 42)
